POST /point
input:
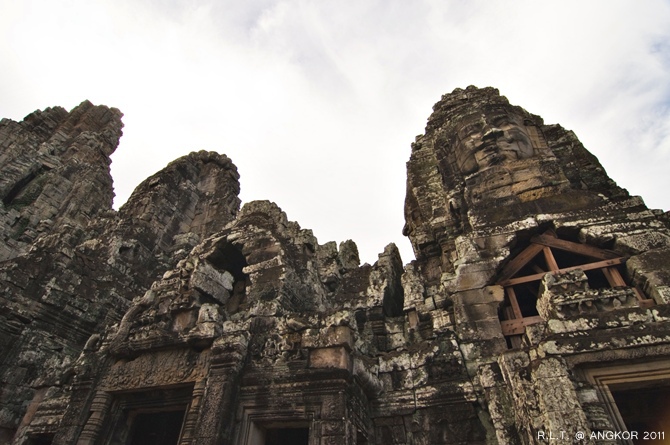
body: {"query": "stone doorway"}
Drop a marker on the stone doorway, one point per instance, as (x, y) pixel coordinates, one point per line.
(162, 428)
(279, 433)
(287, 436)
(636, 398)
(646, 411)
(149, 417)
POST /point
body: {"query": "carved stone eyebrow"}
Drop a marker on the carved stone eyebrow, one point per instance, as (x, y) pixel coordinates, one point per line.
(469, 129)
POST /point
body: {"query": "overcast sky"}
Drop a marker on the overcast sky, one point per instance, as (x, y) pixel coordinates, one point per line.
(317, 102)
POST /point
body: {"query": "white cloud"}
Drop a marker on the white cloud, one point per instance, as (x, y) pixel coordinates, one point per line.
(318, 102)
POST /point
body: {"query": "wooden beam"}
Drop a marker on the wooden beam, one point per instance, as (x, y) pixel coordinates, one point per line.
(520, 261)
(512, 327)
(549, 258)
(646, 304)
(643, 301)
(537, 268)
(578, 248)
(515, 327)
(539, 276)
(514, 302)
(613, 276)
(609, 276)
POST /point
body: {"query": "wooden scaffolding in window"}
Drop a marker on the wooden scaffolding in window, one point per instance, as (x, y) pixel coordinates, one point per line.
(547, 253)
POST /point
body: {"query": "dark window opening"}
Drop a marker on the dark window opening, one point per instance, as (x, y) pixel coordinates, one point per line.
(526, 297)
(394, 300)
(229, 257)
(645, 410)
(566, 259)
(6, 434)
(361, 319)
(513, 341)
(287, 436)
(41, 439)
(159, 428)
(597, 279)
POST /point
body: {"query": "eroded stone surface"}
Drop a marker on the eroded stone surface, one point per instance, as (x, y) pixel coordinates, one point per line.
(71, 263)
(243, 324)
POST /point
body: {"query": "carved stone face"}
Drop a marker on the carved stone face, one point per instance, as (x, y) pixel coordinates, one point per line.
(491, 139)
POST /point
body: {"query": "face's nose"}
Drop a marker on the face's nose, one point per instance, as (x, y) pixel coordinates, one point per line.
(492, 134)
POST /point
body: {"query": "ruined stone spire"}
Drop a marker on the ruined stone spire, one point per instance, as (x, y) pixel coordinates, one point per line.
(48, 162)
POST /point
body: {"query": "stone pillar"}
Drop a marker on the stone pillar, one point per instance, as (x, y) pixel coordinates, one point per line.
(74, 417)
(499, 402)
(557, 398)
(333, 425)
(217, 409)
(99, 409)
(545, 401)
(191, 416)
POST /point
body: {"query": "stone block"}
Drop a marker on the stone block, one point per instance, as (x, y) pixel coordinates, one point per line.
(334, 357)
(395, 341)
(556, 394)
(550, 368)
(328, 337)
(474, 276)
(473, 312)
(649, 271)
(642, 242)
(442, 320)
(513, 361)
(311, 338)
(473, 296)
(217, 284)
(338, 336)
(587, 395)
(489, 329)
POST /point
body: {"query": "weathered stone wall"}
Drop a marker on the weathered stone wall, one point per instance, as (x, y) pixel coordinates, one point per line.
(70, 263)
(539, 286)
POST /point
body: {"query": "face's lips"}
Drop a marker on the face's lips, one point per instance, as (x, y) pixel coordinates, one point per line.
(496, 151)
(487, 152)
(488, 147)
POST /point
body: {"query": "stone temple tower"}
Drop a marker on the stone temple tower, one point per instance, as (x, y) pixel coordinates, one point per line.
(554, 278)
(536, 311)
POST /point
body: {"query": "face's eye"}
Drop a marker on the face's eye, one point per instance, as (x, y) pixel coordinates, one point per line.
(470, 130)
(501, 121)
